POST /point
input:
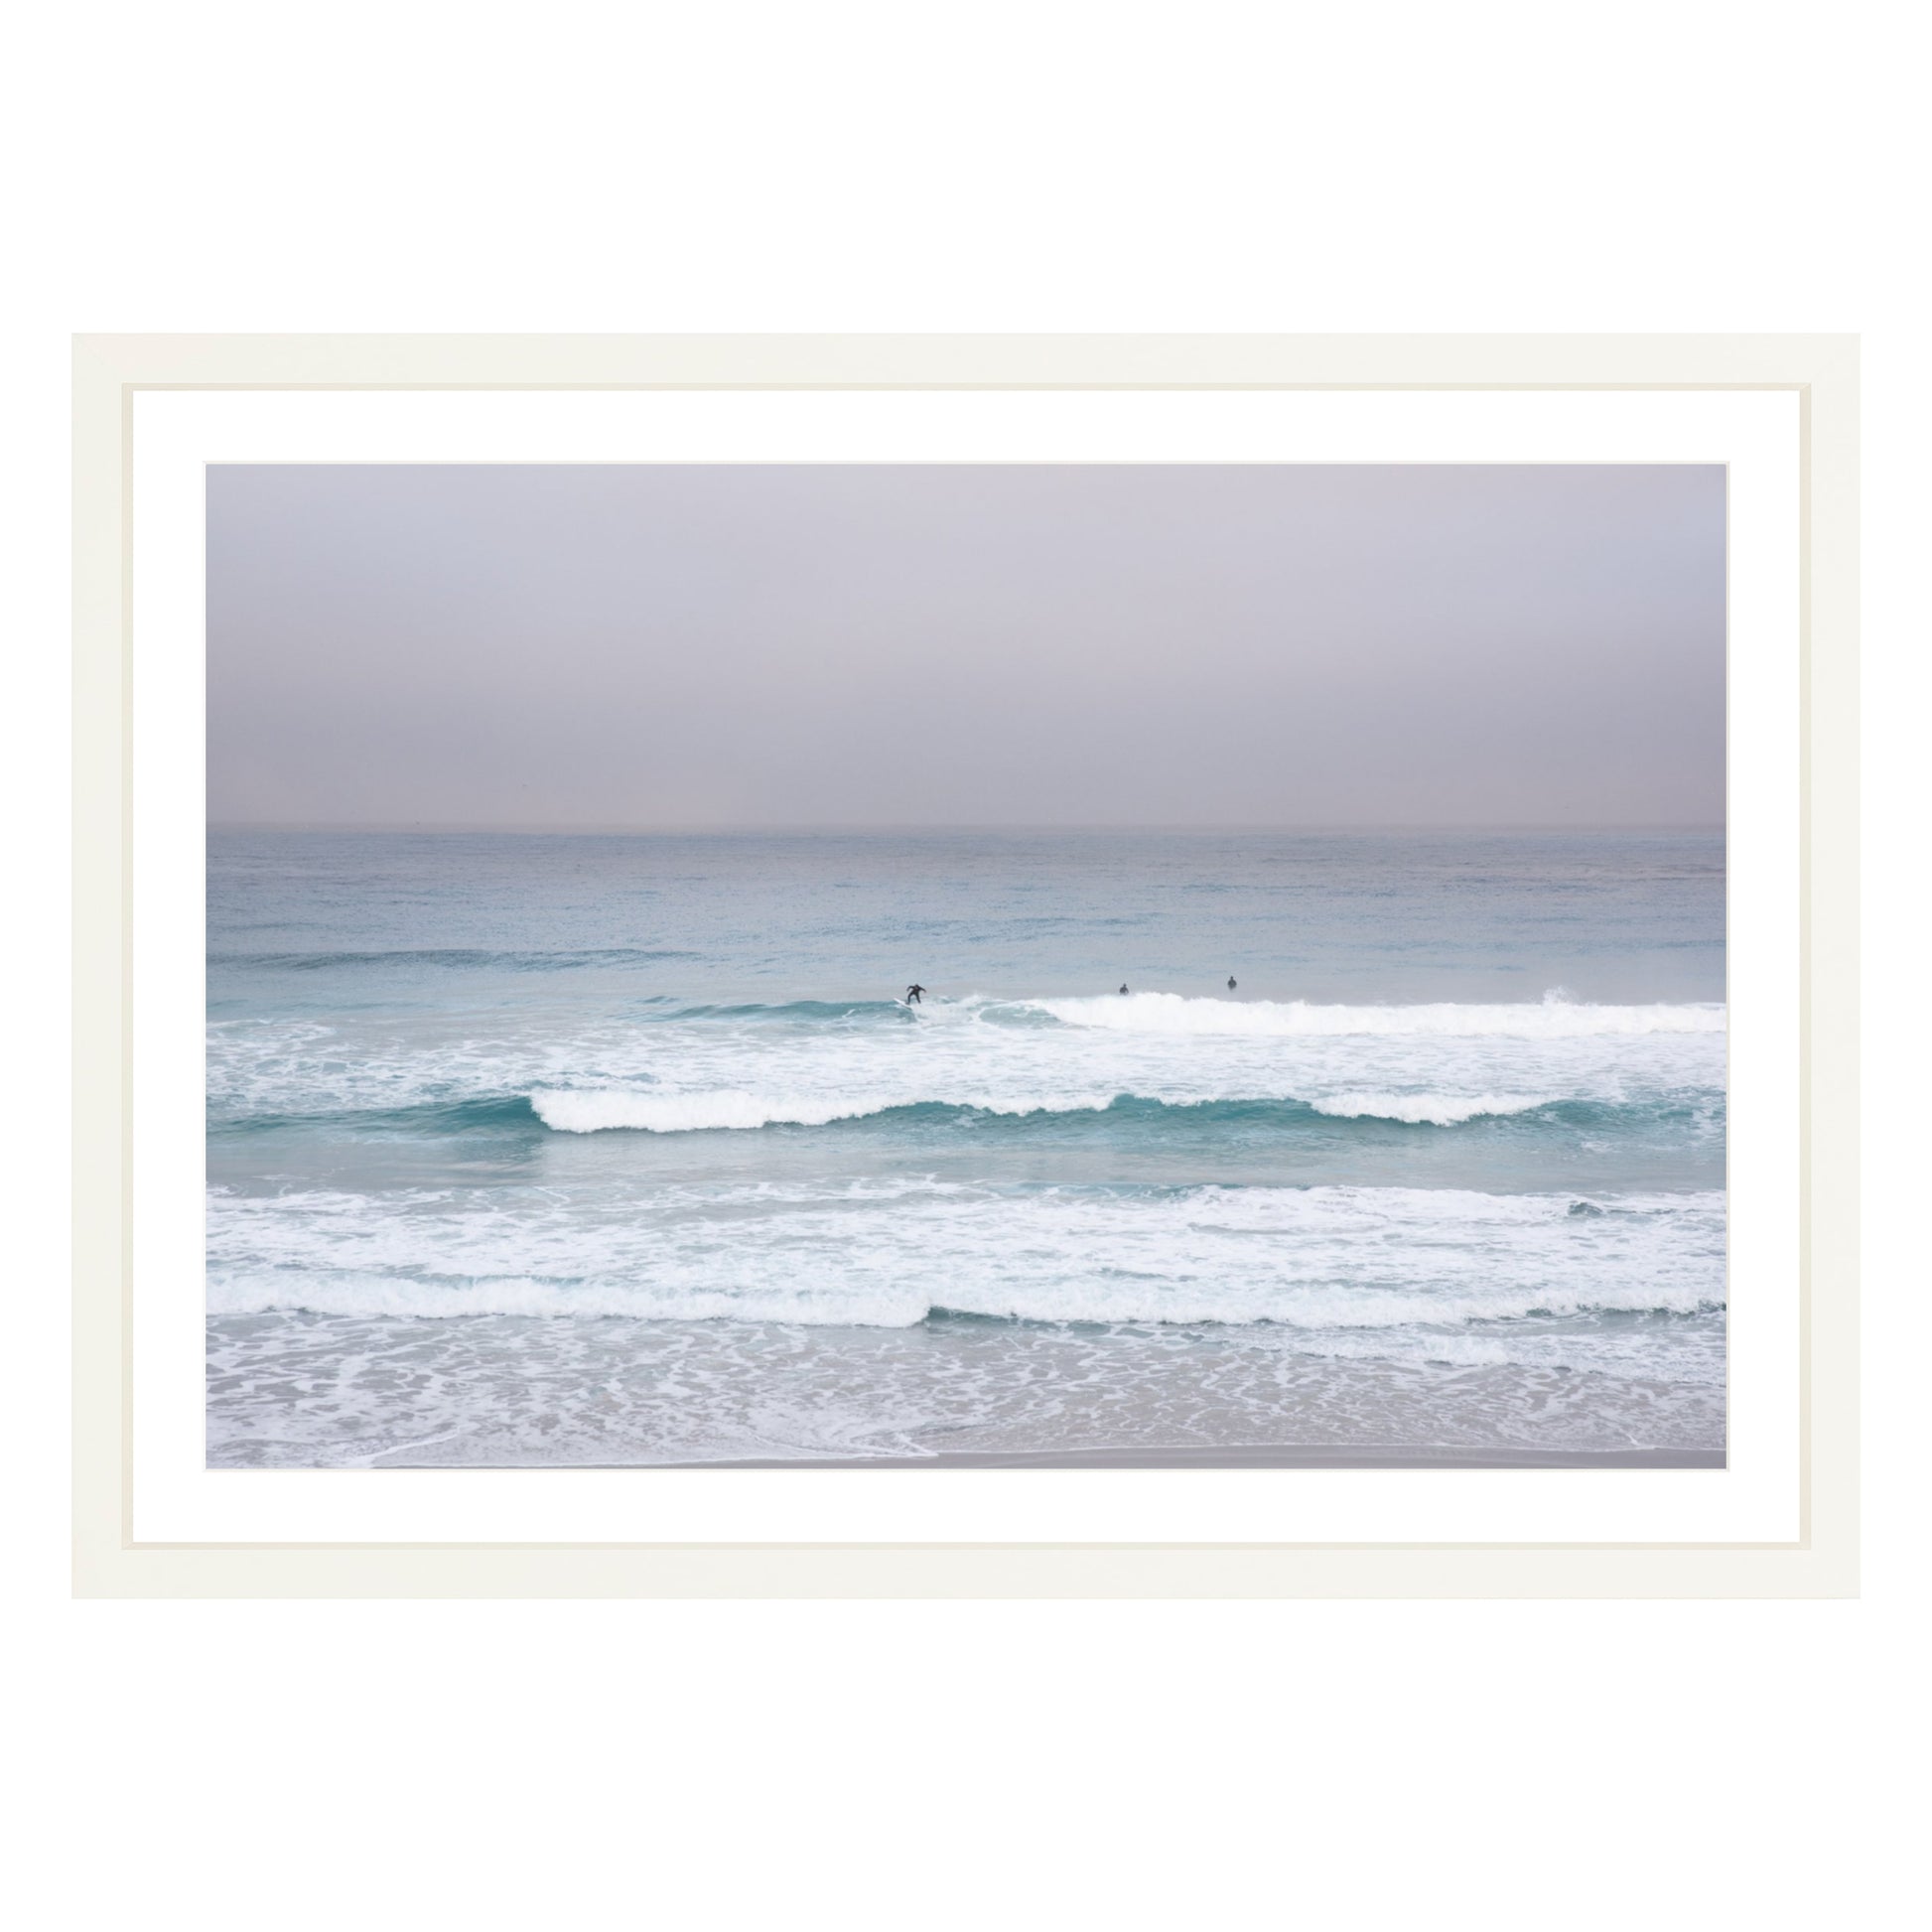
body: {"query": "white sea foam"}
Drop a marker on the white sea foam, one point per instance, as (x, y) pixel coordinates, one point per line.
(1007, 1057)
(884, 1307)
(1318, 1259)
(1551, 1018)
(1431, 1109)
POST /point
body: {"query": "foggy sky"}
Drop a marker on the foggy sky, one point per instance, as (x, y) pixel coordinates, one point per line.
(690, 645)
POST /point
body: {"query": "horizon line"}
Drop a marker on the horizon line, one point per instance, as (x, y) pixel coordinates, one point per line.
(767, 828)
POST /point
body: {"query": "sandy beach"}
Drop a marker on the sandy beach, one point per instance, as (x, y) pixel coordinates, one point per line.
(1258, 1457)
(1275, 1457)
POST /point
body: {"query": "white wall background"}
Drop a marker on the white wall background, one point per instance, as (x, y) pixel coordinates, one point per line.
(1050, 166)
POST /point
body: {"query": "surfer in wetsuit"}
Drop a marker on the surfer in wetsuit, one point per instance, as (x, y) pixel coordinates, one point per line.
(1230, 982)
(1123, 986)
(912, 993)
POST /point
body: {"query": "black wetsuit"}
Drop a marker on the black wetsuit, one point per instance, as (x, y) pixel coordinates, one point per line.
(912, 996)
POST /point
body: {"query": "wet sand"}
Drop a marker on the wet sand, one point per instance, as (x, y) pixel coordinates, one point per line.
(1260, 1458)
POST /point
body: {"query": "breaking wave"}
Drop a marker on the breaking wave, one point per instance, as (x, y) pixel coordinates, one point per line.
(647, 1111)
(907, 1306)
(878, 1256)
(1429, 1109)
(1548, 1018)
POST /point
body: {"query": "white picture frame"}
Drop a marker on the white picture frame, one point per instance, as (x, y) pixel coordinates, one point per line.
(1813, 1551)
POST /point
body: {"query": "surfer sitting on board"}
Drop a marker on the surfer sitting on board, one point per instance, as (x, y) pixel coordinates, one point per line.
(912, 993)
(1230, 982)
(1123, 986)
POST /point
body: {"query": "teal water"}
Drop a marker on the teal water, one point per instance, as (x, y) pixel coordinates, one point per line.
(581, 1149)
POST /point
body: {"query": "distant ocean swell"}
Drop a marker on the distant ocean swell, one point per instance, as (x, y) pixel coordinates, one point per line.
(445, 959)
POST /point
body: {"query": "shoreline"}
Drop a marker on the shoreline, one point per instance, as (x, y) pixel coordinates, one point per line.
(1260, 1456)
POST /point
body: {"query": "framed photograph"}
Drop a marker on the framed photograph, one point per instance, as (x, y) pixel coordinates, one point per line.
(1003, 966)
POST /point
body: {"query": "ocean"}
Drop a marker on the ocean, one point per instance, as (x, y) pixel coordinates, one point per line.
(587, 1150)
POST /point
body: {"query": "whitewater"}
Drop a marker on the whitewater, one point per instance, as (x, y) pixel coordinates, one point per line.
(580, 1150)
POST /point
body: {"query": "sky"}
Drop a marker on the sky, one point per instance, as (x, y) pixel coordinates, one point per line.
(687, 646)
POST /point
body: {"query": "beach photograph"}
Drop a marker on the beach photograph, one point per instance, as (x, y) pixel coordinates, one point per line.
(925, 966)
